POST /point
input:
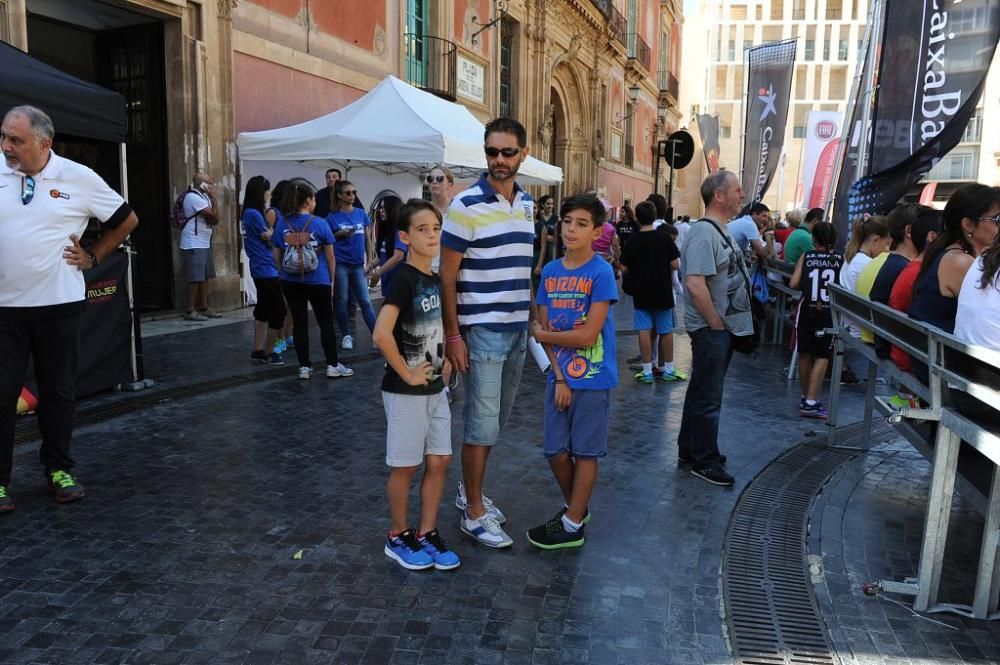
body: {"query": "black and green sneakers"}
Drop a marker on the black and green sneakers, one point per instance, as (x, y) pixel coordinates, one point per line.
(6, 503)
(64, 487)
(553, 536)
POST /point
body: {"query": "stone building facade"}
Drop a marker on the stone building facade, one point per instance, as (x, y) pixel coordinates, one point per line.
(563, 67)
(594, 81)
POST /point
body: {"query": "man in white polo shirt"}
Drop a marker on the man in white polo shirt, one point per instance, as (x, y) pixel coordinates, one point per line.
(486, 249)
(45, 204)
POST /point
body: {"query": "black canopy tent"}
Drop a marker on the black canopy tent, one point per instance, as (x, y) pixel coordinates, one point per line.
(85, 110)
(76, 107)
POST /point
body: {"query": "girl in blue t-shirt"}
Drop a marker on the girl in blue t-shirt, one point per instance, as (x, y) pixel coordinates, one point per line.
(272, 215)
(352, 229)
(269, 313)
(314, 286)
(391, 248)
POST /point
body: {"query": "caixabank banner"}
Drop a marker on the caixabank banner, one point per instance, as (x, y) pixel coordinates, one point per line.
(769, 87)
(935, 55)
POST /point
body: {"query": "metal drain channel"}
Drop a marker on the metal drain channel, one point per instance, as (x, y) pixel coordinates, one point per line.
(770, 606)
(27, 428)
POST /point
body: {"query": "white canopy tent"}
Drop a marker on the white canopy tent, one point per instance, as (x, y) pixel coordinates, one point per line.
(394, 129)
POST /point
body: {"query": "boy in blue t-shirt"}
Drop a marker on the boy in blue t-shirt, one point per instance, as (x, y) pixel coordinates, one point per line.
(575, 325)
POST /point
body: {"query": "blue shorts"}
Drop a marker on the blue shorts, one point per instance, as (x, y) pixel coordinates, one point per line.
(582, 429)
(496, 360)
(660, 320)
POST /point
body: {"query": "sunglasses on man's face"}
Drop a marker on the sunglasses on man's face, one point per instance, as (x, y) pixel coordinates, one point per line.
(435, 178)
(496, 152)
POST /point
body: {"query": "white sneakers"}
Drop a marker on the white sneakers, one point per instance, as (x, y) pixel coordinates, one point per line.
(487, 528)
(347, 343)
(332, 372)
(338, 371)
(491, 508)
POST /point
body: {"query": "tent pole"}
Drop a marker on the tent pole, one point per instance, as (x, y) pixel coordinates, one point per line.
(136, 334)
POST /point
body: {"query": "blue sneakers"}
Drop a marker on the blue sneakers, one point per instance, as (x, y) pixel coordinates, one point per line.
(407, 552)
(433, 544)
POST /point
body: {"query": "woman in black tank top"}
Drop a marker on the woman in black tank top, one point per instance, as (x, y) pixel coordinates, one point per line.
(969, 227)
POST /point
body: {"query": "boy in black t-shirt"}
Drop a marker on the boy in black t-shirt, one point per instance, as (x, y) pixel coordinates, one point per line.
(410, 334)
(648, 262)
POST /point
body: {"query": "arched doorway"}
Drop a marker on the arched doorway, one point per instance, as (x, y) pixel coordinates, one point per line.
(559, 147)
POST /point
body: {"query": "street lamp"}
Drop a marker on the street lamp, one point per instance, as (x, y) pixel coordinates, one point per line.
(633, 97)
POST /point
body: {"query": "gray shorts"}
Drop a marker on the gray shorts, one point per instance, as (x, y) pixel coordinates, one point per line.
(198, 264)
(417, 425)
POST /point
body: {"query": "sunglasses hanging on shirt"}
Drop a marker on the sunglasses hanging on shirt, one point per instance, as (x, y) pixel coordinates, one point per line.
(27, 189)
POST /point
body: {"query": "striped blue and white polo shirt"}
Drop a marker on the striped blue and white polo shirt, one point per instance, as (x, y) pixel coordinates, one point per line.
(495, 237)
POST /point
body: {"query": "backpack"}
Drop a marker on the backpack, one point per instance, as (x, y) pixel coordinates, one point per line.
(177, 217)
(300, 256)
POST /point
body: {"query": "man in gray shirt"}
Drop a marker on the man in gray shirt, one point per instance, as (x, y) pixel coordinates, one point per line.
(717, 306)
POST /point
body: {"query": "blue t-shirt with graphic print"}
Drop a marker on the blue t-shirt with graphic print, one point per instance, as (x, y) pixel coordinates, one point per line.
(350, 251)
(320, 236)
(567, 296)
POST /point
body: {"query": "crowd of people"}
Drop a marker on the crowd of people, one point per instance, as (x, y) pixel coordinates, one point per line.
(469, 279)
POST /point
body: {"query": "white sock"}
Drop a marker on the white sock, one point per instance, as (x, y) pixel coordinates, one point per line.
(811, 402)
(569, 524)
(668, 368)
(647, 368)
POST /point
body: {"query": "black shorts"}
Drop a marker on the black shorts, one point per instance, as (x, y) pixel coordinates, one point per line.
(270, 305)
(810, 322)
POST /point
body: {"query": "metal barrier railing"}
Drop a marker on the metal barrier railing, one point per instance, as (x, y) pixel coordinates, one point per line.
(957, 372)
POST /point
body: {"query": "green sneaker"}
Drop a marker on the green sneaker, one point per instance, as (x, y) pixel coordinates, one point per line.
(64, 487)
(667, 377)
(6, 503)
(642, 377)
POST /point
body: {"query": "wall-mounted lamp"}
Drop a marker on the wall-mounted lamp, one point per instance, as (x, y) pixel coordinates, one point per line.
(633, 97)
(502, 7)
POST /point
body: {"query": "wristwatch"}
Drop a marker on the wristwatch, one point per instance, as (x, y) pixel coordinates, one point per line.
(93, 259)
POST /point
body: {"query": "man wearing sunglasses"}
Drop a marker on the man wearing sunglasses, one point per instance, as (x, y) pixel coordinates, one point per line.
(486, 248)
(46, 202)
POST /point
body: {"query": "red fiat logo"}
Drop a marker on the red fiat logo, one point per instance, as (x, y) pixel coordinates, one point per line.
(826, 129)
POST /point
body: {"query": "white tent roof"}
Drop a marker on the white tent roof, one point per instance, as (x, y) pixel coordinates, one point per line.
(395, 127)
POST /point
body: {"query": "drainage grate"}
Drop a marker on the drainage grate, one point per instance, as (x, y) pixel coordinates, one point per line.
(27, 428)
(770, 606)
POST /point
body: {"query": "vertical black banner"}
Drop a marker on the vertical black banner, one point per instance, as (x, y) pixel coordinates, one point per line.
(105, 328)
(934, 59)
(769, 87)
(708, 128)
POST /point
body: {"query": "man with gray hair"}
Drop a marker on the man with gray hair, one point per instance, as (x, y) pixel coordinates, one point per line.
(202, 214)
(46, 202)
(716, 306)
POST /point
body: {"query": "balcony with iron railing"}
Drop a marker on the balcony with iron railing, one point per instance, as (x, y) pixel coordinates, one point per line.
(668, 85)
(638, 50)
(430, 64)
(617, 22)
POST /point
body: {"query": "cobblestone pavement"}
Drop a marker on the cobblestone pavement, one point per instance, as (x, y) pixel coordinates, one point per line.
(184, 550)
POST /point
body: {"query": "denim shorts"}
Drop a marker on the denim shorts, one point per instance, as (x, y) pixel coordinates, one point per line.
(496, 360)
(582, 429)
(660, 320)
